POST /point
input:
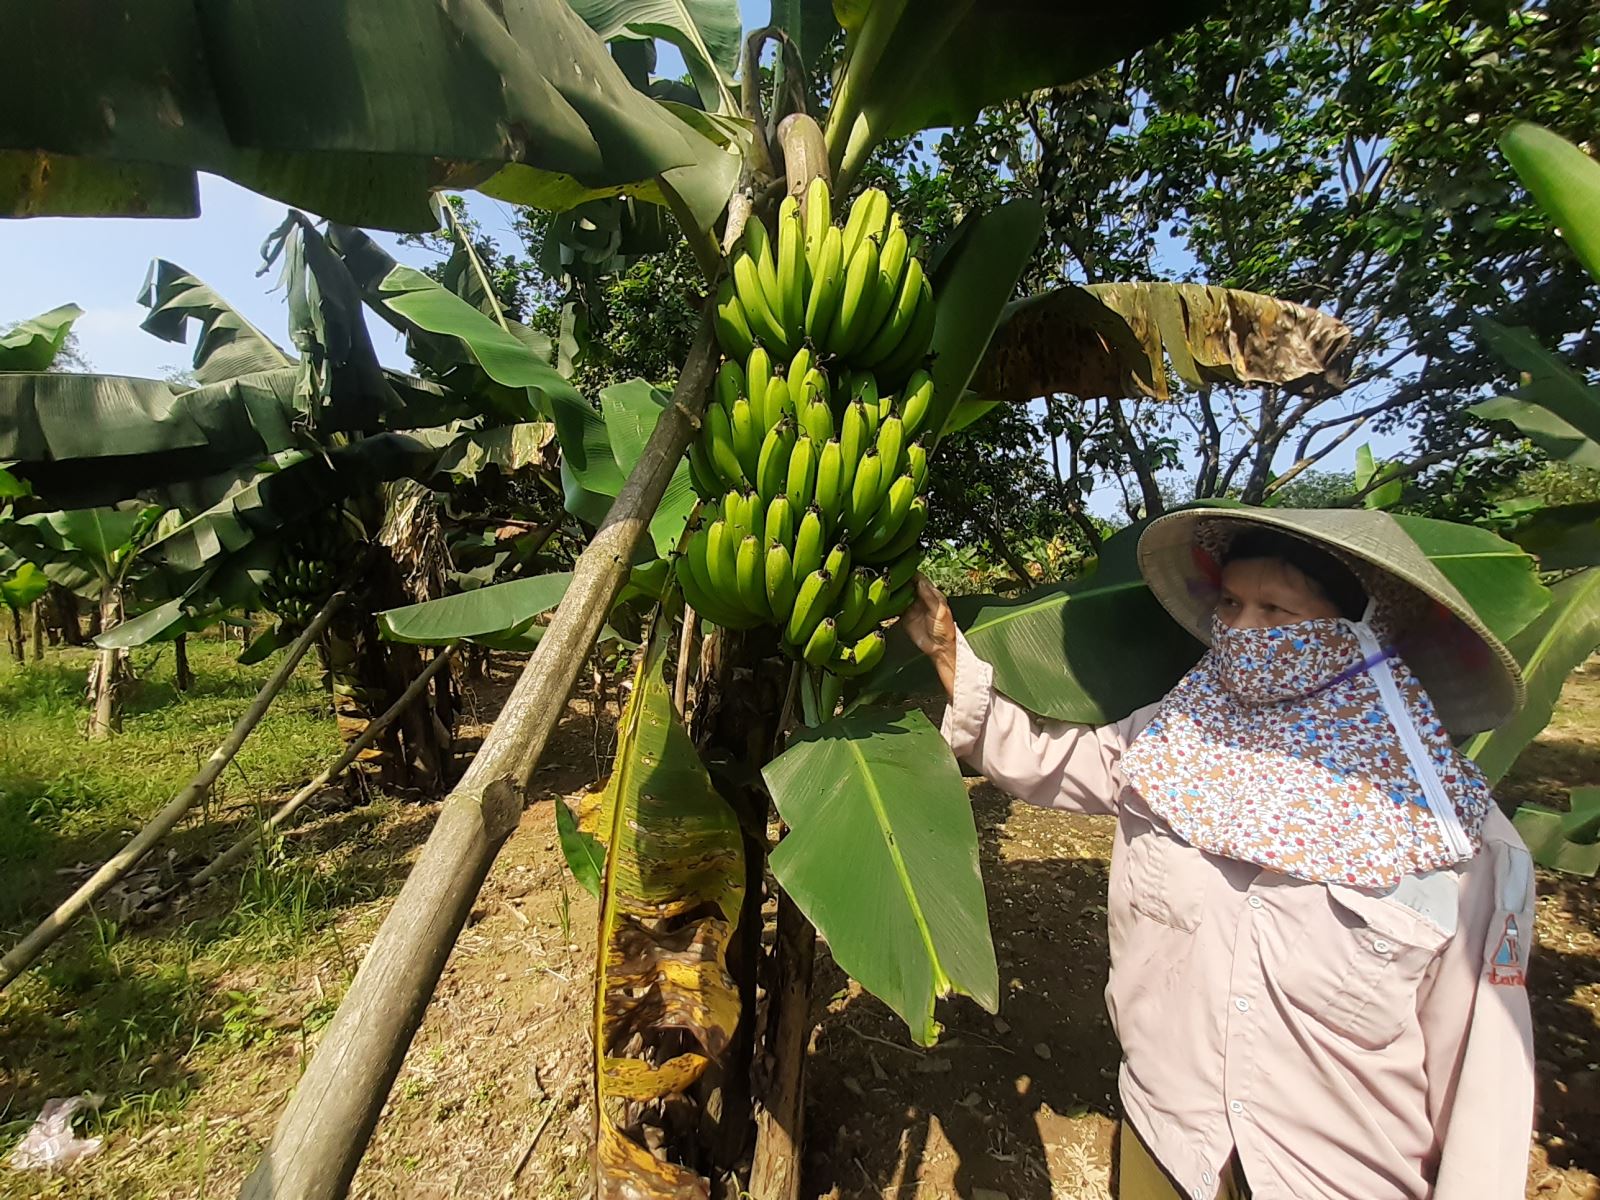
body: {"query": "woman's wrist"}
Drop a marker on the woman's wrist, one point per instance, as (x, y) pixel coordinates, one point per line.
(944, 662)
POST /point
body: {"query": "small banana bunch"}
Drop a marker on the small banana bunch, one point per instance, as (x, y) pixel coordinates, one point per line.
(304, 577)
(855, 294)
(812, 507)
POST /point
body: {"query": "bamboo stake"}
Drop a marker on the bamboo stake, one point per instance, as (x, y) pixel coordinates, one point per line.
(24, 953)
(240, 848)
(325, 1128)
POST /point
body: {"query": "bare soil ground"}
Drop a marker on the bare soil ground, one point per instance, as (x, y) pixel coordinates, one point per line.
(492, 1100)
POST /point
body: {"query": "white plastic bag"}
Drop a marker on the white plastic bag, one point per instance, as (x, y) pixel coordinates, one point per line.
(50, 1144)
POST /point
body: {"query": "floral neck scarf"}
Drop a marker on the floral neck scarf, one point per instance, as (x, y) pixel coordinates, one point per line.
(1311, 750)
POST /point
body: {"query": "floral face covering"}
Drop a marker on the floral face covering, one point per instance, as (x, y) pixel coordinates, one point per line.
(1311, 750)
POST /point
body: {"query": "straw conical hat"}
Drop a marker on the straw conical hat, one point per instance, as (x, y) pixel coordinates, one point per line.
(1474, 682)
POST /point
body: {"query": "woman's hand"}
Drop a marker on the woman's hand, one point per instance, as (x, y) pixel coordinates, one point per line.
(933, 631)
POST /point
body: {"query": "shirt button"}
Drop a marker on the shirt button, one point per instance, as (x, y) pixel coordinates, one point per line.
(1242, 1004)
(1254, 902)
(1235, 1106)
(1207, 1177)
(1381, 947)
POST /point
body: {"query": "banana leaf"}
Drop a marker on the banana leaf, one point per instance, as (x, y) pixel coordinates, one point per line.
(359, 115)
(1498, 578)
(1114, 340)
(974, 274)
(1549, 650)
(1385, 495)
(631, 410)
(34, 343)
(673, 886)
(1563, 537)
(882, 857)
(920, 64)
(500, 615)
(1556, 408)
(706, 33)
(228, 346)
(1566, 183)
(22, 585)
(1568, 842)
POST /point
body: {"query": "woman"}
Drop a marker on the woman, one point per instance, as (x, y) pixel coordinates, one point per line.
(1319, 920)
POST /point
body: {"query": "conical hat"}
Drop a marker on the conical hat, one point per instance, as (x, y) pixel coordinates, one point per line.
(1473, 680)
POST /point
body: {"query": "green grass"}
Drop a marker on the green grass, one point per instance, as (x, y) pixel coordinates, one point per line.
(137, 1014)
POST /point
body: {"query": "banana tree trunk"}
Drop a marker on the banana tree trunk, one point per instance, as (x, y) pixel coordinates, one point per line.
(37, 626)
(106, 676)
(65, 623)
(183, 676)
(324, 1131)
(14, 637)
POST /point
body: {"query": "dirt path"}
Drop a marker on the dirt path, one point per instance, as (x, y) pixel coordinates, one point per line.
(492, 1100)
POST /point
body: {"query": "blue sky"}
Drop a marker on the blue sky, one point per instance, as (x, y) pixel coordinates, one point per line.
(100, 265)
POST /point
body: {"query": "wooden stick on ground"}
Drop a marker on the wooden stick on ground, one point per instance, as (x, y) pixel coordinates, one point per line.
(328, 1122)
(25, 952)
(353, 751)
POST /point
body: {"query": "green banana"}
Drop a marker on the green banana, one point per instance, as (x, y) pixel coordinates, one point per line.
(866, 220)
(772, 466)
(917, 463)
(751, 577)
(816, 418)
(820, 645)
(801, 482)
(733, 330)
(878, 593)
(837, 565)
(758, 242)
(891, 515)
(899, 600)
(865, 390)
(730, 384)
(891, 443)
(736, 515)
(903, 570)
(799, 365)
(853, 440)
(915, 402)
(808, 544)
(860, 283)
(746, 437)
(886, 288)
(864, 493)
(694, 578)
(780, 582)
(897, 324)
(764, 323)
(719, 447)
(827, 284)
(815, 387)
(852, 604)
(755, 514)
(779, 525)
(864, 655)
(722, 562)
(757, 374)
(913, 348)
(808, 608)
(779, 401)
(830, 482)
(791, 266)
(818, 217)
(910, 530)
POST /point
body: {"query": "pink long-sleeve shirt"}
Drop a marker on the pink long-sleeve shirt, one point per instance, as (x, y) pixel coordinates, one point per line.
(1350, 1045)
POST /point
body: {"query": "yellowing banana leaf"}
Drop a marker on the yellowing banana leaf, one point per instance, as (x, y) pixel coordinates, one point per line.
(1566, 183)
(501, 615)
(1115, 339)
(665, 1005)
(882, 857)
(1549, 650)
(34, 343)
(358, 111)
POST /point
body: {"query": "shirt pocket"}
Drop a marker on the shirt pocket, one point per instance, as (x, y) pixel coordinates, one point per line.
(1166, 876)
(1358, 963)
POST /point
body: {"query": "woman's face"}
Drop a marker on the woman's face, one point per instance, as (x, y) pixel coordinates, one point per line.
(1259, 593)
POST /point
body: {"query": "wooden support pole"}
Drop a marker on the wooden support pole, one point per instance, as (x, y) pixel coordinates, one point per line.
(780, 1121)
(240, 848)
(329, 1120)
(24, 953)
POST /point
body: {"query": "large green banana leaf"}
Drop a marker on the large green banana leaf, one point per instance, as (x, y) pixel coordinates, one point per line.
(974, 275)
(670, 901)
(357, 111)
(1552, 847)
(1114, 340)
(1549, 649)
(1563, 537)
(1557, 408)
(501, 615)
(228, 346)
(34, 343)
(1498, 578)
(882, 857)
(631, 410)
(21, 585)
(1566, 183)
(917, 64)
